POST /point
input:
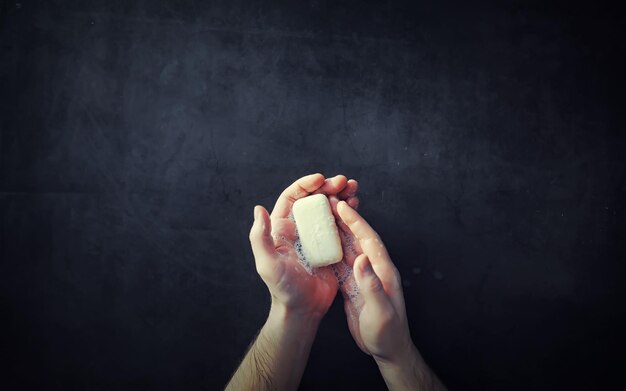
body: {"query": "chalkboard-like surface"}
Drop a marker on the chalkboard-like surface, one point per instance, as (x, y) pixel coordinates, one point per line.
(136, 138)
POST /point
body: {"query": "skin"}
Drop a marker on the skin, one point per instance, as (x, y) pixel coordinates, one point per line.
(376, 316)
(278, 356)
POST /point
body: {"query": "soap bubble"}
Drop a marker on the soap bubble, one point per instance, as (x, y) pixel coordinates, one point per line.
(351, 290)
(342, 271)
(347, 284)
(351, 293)
(301, 258)
(297, 245)
(279, 238)
(348, 243)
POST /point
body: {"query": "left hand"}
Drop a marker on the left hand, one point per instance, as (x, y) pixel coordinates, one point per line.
(377, 314)
(273, 237)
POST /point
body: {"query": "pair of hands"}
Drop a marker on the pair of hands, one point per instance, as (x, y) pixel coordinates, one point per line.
(376, 315)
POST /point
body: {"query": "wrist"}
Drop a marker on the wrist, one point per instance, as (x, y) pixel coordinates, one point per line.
(401, 357)
(404, 351)
(284, 319)
(407, 371)
(398, 371)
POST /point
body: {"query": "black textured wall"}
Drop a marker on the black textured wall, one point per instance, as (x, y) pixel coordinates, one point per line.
(136, 137)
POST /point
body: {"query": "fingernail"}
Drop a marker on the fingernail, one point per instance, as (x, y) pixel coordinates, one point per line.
(256, 212)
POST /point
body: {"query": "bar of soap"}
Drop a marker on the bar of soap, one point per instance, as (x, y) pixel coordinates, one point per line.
(318, 232)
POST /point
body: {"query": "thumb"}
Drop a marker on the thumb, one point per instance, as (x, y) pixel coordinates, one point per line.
(369, 284)
(260, 235)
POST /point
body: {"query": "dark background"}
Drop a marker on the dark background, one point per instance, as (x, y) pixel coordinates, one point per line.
(136, 137)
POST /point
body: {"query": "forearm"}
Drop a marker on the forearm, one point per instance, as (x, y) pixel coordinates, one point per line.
(409, 373)
(279, 355)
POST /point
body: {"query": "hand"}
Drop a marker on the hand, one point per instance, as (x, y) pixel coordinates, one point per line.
(376, 315)
(278, 356)
(272, 239)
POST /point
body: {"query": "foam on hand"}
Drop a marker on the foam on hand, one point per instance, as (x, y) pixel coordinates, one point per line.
(317, 230)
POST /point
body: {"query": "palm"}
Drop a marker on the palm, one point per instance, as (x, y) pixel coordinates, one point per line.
(299, 289)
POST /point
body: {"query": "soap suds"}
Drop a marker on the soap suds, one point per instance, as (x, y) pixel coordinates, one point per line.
(348, 243)
(342, 272)
(277, 238)
(301, 258)
(346, 281)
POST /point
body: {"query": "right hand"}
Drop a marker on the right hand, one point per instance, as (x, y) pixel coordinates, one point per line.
(376, 315)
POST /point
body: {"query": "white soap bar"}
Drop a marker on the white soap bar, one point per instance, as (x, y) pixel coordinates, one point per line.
(318, 233)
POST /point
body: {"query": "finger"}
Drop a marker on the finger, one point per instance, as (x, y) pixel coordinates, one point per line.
(370, 285)
(350, 190)
(260, 234)
(333, 200)
(353, 202)
(332, 185)
(262, 242)
(357, 224)
(351, 247)
(299, 189)
(369, 242)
